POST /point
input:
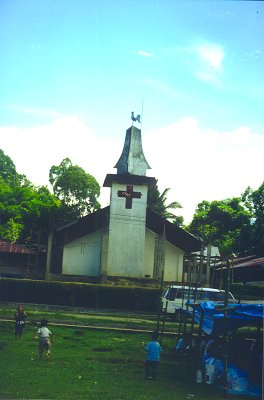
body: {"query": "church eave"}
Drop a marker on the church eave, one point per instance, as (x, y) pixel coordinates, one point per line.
(173, 233)
(85, 225)
(129, 179)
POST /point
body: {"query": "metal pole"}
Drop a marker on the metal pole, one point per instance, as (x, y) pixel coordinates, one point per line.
(227, 272)
(208, 261)
(227, 282)
(160, 301)
(163, 322)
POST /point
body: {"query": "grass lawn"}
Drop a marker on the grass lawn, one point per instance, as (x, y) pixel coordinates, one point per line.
(92, 318)
(88, 364)
(97, 318)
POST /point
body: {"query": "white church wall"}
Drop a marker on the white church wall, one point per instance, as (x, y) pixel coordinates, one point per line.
(173, 259)
(127, 233)
(173, 263)
(83, 256)
(149, 253)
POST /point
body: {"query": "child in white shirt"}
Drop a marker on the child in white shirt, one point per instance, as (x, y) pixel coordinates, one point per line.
(45, 339)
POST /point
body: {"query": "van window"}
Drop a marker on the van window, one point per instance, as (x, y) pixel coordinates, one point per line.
(184, 293)
(171, 294)
(220, 296)
(212, 296)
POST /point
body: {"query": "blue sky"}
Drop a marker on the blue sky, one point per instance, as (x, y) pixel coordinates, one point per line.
(72, 71)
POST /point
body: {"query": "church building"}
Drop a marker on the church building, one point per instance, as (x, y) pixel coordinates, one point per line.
(124, 240)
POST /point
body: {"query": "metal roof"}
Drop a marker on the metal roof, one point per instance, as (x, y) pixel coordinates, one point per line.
(6, 247)
(256, 262)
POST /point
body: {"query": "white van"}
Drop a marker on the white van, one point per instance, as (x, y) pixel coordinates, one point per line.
(175, 297)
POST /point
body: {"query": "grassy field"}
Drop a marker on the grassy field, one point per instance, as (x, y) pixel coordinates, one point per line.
(92, 318)
(95, 318)
(88, 364)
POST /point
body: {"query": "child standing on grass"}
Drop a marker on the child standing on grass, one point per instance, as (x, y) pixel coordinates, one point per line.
(152, 362)
(45, 339)
(20, 318)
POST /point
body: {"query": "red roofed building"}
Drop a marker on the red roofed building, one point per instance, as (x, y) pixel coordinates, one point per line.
(16, 261)
(246, 270)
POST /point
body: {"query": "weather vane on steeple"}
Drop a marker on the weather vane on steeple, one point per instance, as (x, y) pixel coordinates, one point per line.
(135, 119)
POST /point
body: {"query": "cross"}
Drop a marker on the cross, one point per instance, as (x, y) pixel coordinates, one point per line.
(129, 195)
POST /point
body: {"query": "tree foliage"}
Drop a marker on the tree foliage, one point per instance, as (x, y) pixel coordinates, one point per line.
(157, 203)
(7, 168)
(25, 210)
(254, 201)
(77, 190)
(235, 225)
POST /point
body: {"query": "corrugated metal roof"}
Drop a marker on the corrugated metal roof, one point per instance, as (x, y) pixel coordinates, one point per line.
(6, 247)
(256, 262)
(251, 263)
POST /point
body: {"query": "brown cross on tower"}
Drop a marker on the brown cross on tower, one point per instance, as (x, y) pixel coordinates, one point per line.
(129, 195)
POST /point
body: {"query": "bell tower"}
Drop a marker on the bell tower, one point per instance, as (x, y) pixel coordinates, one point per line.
(128, 205)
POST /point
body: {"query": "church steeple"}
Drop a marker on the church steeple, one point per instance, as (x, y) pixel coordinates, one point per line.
(132, 164)
(128, 205)
(132, 160)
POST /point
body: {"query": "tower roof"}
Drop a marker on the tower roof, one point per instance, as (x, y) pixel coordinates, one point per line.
(132, 160)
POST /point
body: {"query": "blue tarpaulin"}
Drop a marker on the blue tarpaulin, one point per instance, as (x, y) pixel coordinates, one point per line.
(214, 318)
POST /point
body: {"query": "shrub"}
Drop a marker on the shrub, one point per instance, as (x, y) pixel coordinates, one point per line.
(247, 292)
(79, 294)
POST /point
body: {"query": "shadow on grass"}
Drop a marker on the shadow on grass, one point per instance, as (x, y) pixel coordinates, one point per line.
(102, 349)
(2, 345)
(71, 339)
(120, 361)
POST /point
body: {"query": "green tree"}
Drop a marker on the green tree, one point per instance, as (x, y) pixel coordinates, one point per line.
(157, 203)
(254, 202)
(26, 211)
(39, 210)
(7, 168)
(11, 230)
(77, 190)
(223, 224)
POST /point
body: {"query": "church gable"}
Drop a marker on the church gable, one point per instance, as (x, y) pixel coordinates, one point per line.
(85, 225)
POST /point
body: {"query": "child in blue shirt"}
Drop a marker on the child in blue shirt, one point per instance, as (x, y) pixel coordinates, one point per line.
(152, 362)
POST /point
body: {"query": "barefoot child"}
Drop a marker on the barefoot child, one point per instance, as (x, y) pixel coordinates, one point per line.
(20, 318)
(45, 339)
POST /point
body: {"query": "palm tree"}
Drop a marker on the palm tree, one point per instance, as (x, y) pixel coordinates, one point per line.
(157, 204)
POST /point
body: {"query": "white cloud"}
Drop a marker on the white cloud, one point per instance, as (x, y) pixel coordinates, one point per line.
(212, 55)
(197, 164)
(32, 111)
(209, 65)
(144, 53)
(35, 150)
(205, 61)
